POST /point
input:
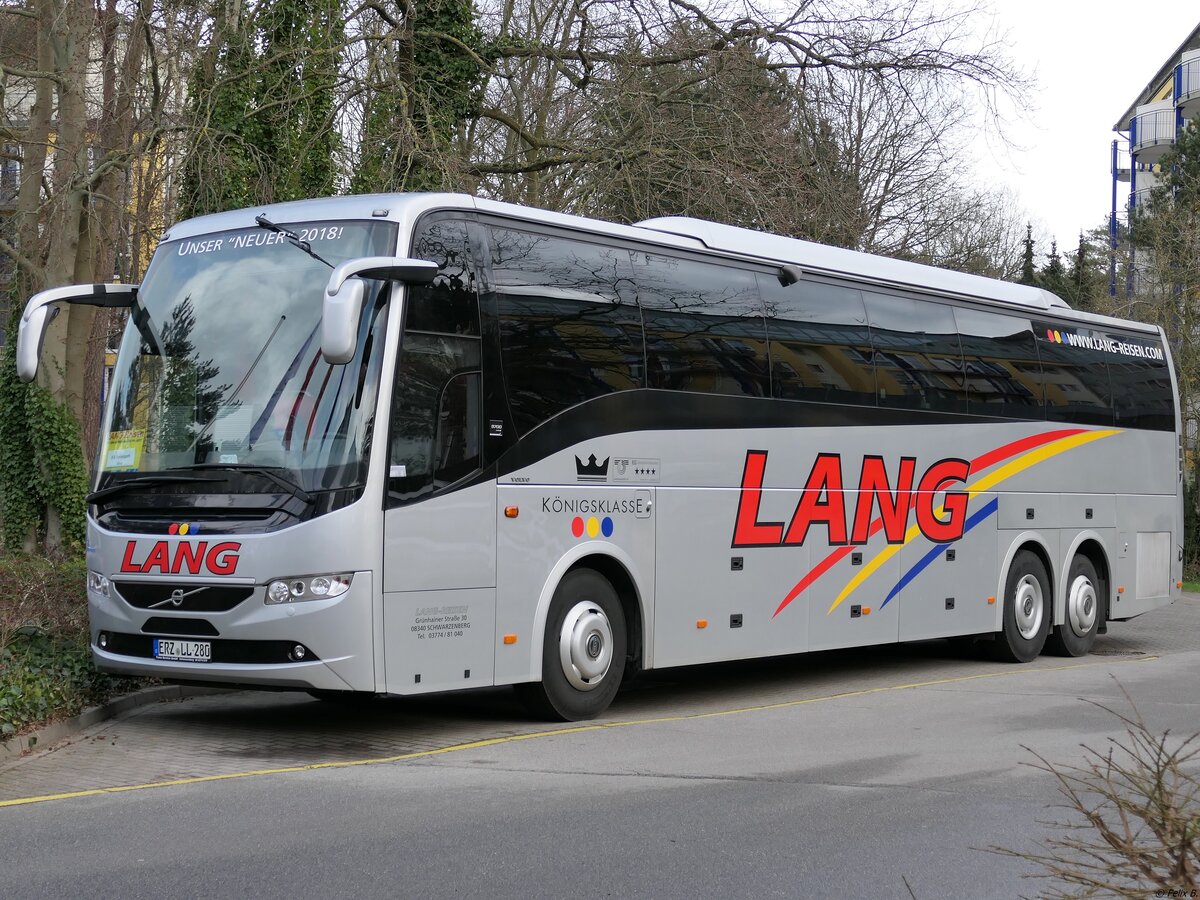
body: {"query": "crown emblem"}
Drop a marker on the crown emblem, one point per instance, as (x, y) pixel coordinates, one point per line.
(591, 470)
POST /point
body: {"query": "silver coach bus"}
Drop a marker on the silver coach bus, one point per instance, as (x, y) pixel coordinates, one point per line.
(411, 443)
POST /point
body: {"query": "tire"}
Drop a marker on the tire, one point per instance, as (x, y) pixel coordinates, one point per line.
(583, 654)
(1027, 610)
(1083, 611)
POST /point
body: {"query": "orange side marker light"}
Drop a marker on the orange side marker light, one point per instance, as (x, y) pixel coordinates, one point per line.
(702, 623)
(866, 610)
(1120, 590)
(510, 639)
(1179, 584)
(991, 601)
(511, 512)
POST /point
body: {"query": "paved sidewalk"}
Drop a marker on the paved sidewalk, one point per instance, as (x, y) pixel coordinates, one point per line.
(222, 734)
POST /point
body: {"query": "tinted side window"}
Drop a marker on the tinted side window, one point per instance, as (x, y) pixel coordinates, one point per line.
(1000, 362)
(704, 326)
(1141, 385)
(1075, 378)
(450, 305)
(567, 335)
(918, 364)
(820, 343)
(436, 414)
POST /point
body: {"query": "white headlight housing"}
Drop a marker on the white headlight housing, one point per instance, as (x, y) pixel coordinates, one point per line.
(298, 588)
(97, 583)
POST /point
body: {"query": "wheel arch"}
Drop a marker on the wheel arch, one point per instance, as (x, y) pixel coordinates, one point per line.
(631, 604)
(1034, 543)
(622, 573)
(1090, 545)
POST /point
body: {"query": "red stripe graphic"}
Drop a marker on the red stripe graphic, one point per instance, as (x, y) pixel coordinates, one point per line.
(978, 464)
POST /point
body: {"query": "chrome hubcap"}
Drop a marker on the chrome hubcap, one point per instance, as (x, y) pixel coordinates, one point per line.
(1029, 607)
(585, 646)
(1081, 605)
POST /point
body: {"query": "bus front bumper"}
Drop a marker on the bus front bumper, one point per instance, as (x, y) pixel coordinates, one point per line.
(314, 675)
(317, 645)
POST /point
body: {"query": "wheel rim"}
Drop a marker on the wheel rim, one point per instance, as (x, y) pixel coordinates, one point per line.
(1029, 607)
(1081, 605)
(585, 645)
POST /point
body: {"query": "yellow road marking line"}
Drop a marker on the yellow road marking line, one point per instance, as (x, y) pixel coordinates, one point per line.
(575, 729)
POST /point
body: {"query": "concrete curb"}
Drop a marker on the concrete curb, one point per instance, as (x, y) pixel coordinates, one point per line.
(16, 747)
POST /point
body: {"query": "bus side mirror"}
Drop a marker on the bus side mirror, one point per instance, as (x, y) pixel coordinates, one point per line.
(344, 297)
(43, 307)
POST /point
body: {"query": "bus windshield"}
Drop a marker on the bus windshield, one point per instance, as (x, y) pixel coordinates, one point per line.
(220, 365)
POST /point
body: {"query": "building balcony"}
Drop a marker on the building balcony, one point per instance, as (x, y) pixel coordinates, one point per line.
(1187, 85)
(1152, 130)
(1139, 198)
(1144, 182)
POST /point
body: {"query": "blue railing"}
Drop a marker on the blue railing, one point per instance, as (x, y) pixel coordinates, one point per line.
(1187, 79)
(1154, 127)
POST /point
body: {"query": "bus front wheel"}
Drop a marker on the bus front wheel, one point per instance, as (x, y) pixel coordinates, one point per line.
(1075, 636)
(583, 654)
(1026, 610)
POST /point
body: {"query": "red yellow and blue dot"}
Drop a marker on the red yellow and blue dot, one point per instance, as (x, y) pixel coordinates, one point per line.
(591, 526)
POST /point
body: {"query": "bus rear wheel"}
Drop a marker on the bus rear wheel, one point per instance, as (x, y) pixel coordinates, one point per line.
(1084, 609)
(583, 654)
(1027, 610)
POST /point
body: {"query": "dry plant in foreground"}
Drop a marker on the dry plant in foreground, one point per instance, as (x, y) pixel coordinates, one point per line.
(1132, 827)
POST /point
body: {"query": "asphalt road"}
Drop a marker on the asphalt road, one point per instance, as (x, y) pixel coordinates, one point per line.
(883, 773)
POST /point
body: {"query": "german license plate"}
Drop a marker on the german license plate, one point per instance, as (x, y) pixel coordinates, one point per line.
(183, 651)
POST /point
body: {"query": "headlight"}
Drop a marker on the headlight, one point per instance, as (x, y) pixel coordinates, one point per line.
(295, 589)
(97, 583)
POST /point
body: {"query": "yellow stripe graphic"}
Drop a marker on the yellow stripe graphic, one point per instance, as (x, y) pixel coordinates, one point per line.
(992, 479)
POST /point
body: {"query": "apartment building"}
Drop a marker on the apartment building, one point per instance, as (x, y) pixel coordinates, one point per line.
(1150, 124)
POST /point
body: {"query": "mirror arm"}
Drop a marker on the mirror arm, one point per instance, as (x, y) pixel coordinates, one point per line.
(414, 271)
(112, 296)
(44, 306)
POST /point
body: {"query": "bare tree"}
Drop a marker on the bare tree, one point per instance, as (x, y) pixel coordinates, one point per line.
(86, 105)
(558, 64)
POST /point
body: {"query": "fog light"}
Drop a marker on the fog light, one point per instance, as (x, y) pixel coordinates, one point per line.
(102, 639)
(298, 652)
(278, 592)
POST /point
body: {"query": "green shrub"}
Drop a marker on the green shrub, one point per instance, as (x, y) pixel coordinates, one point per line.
(46, 669)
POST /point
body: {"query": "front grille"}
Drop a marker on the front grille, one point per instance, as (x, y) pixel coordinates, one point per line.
(181, 626)
(223, 650)
(184, 597)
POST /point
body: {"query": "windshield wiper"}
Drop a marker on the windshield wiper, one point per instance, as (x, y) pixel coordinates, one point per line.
(293, 238)
(292, 487)
(113, 489)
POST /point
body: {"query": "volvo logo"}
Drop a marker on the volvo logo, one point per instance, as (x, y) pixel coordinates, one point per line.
(176, 598)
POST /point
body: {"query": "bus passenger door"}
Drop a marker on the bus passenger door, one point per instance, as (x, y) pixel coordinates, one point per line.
(440, 550)
(439, 578)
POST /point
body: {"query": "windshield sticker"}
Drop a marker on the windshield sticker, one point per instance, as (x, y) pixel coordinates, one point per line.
(253, 239)
(124, 451)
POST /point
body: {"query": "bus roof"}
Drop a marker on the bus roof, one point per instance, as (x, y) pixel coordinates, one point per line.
(822, 259)
(678, 232)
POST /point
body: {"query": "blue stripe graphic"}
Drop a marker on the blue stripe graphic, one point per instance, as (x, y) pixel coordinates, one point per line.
(986, 510)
